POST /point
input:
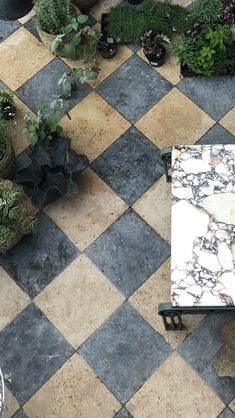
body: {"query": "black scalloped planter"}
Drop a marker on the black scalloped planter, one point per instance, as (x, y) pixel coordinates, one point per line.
(14, 9)
(49, 173)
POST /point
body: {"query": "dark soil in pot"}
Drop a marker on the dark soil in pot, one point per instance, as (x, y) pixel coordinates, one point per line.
(159, 59)
(14, 9)
(8, 111)
(106, 49)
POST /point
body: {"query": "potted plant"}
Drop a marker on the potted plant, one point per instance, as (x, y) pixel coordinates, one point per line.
(15, 222)
(7, 154)
(51, 18)
(153, 49)
(107, 47)
(7, 107)
(14, 9)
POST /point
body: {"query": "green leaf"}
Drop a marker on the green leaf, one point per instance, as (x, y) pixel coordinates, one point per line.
(76, 40)
(82, 19)
(41, 106)
(69, 51)
(110, 40)
(33, 139)
(92, 75)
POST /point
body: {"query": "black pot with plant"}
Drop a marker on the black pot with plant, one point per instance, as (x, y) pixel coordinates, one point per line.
(107, 47)
(153, 49)
(7, 107)
(14, 9)
(7, 154)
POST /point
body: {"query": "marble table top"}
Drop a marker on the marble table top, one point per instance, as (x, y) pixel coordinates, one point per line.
(203, 225)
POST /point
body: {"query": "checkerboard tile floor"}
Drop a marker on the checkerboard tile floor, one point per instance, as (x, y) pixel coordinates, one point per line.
(79, 332)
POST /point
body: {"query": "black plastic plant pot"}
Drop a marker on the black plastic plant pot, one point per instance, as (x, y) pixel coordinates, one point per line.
(157, 61)
(135, 2)
(14, 9)
(8, 111)
(107, 50)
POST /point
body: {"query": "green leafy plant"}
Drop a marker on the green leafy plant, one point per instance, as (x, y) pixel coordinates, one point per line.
(207, 12)
(78, 40)
(44, 126)
(14, 219)
(53, 15)
(3, 137)
(6, 97)
(205, 53)
(127, 23)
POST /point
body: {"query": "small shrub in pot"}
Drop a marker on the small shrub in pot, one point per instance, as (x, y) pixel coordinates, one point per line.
(155, 52)
(7, 154)
(7, 107)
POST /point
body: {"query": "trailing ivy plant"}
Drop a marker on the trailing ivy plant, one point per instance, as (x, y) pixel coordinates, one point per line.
(14, 219)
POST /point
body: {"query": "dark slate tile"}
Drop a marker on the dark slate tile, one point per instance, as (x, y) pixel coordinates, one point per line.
(217, 135)
(199, 351)
(38, 259)
(31, 350)
(123, 413)
(215, 95)
(227, 413)
(125, 351)
(43, 86)
(7, 28)
(128, 252)
(30, 26)
(20, 414)
(134, 88)
(130, 165)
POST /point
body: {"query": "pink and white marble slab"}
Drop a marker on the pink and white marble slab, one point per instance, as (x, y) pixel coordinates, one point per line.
(203, 225)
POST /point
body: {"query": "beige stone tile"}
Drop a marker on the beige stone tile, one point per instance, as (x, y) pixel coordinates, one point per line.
(228, 121)
(232, 405)
(79, 300)
(155, 208)
(23, 56)
(103, 6)
(94, 125)
(175, 391)
(106, 67)
(175, 120)
(170, 70)
(12, 299)
(154, 291)
(74, 391)
(19, 138)
(11, 404)
(183, 3)
(86, 216)
(27, 17)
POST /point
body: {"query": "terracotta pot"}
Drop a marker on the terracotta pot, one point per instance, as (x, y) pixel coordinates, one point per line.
(8, 162)
(48, 38)
(85, 5)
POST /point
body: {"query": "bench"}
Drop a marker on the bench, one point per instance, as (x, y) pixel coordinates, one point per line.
(202, 231)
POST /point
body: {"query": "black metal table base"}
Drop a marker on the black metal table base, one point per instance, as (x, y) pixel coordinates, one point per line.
(172, 316)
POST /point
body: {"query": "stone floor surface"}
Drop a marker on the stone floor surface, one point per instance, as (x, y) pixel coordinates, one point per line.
(79, 330)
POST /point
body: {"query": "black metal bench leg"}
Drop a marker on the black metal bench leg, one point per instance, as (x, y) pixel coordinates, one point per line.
(166, 158)
(172, 318)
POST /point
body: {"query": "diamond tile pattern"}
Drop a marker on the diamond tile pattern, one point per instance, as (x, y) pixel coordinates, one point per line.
(31, 350)
(134, 88)
(125, 351)
(128, 252)
(42, 87)
(109, 243)
(130, 165)
(38, 259)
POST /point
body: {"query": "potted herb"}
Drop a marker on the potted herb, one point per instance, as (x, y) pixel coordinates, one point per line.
(7, 107)
(14, 9)
(15, 222)
(153, 49)
(7, 154)
(107, 47)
